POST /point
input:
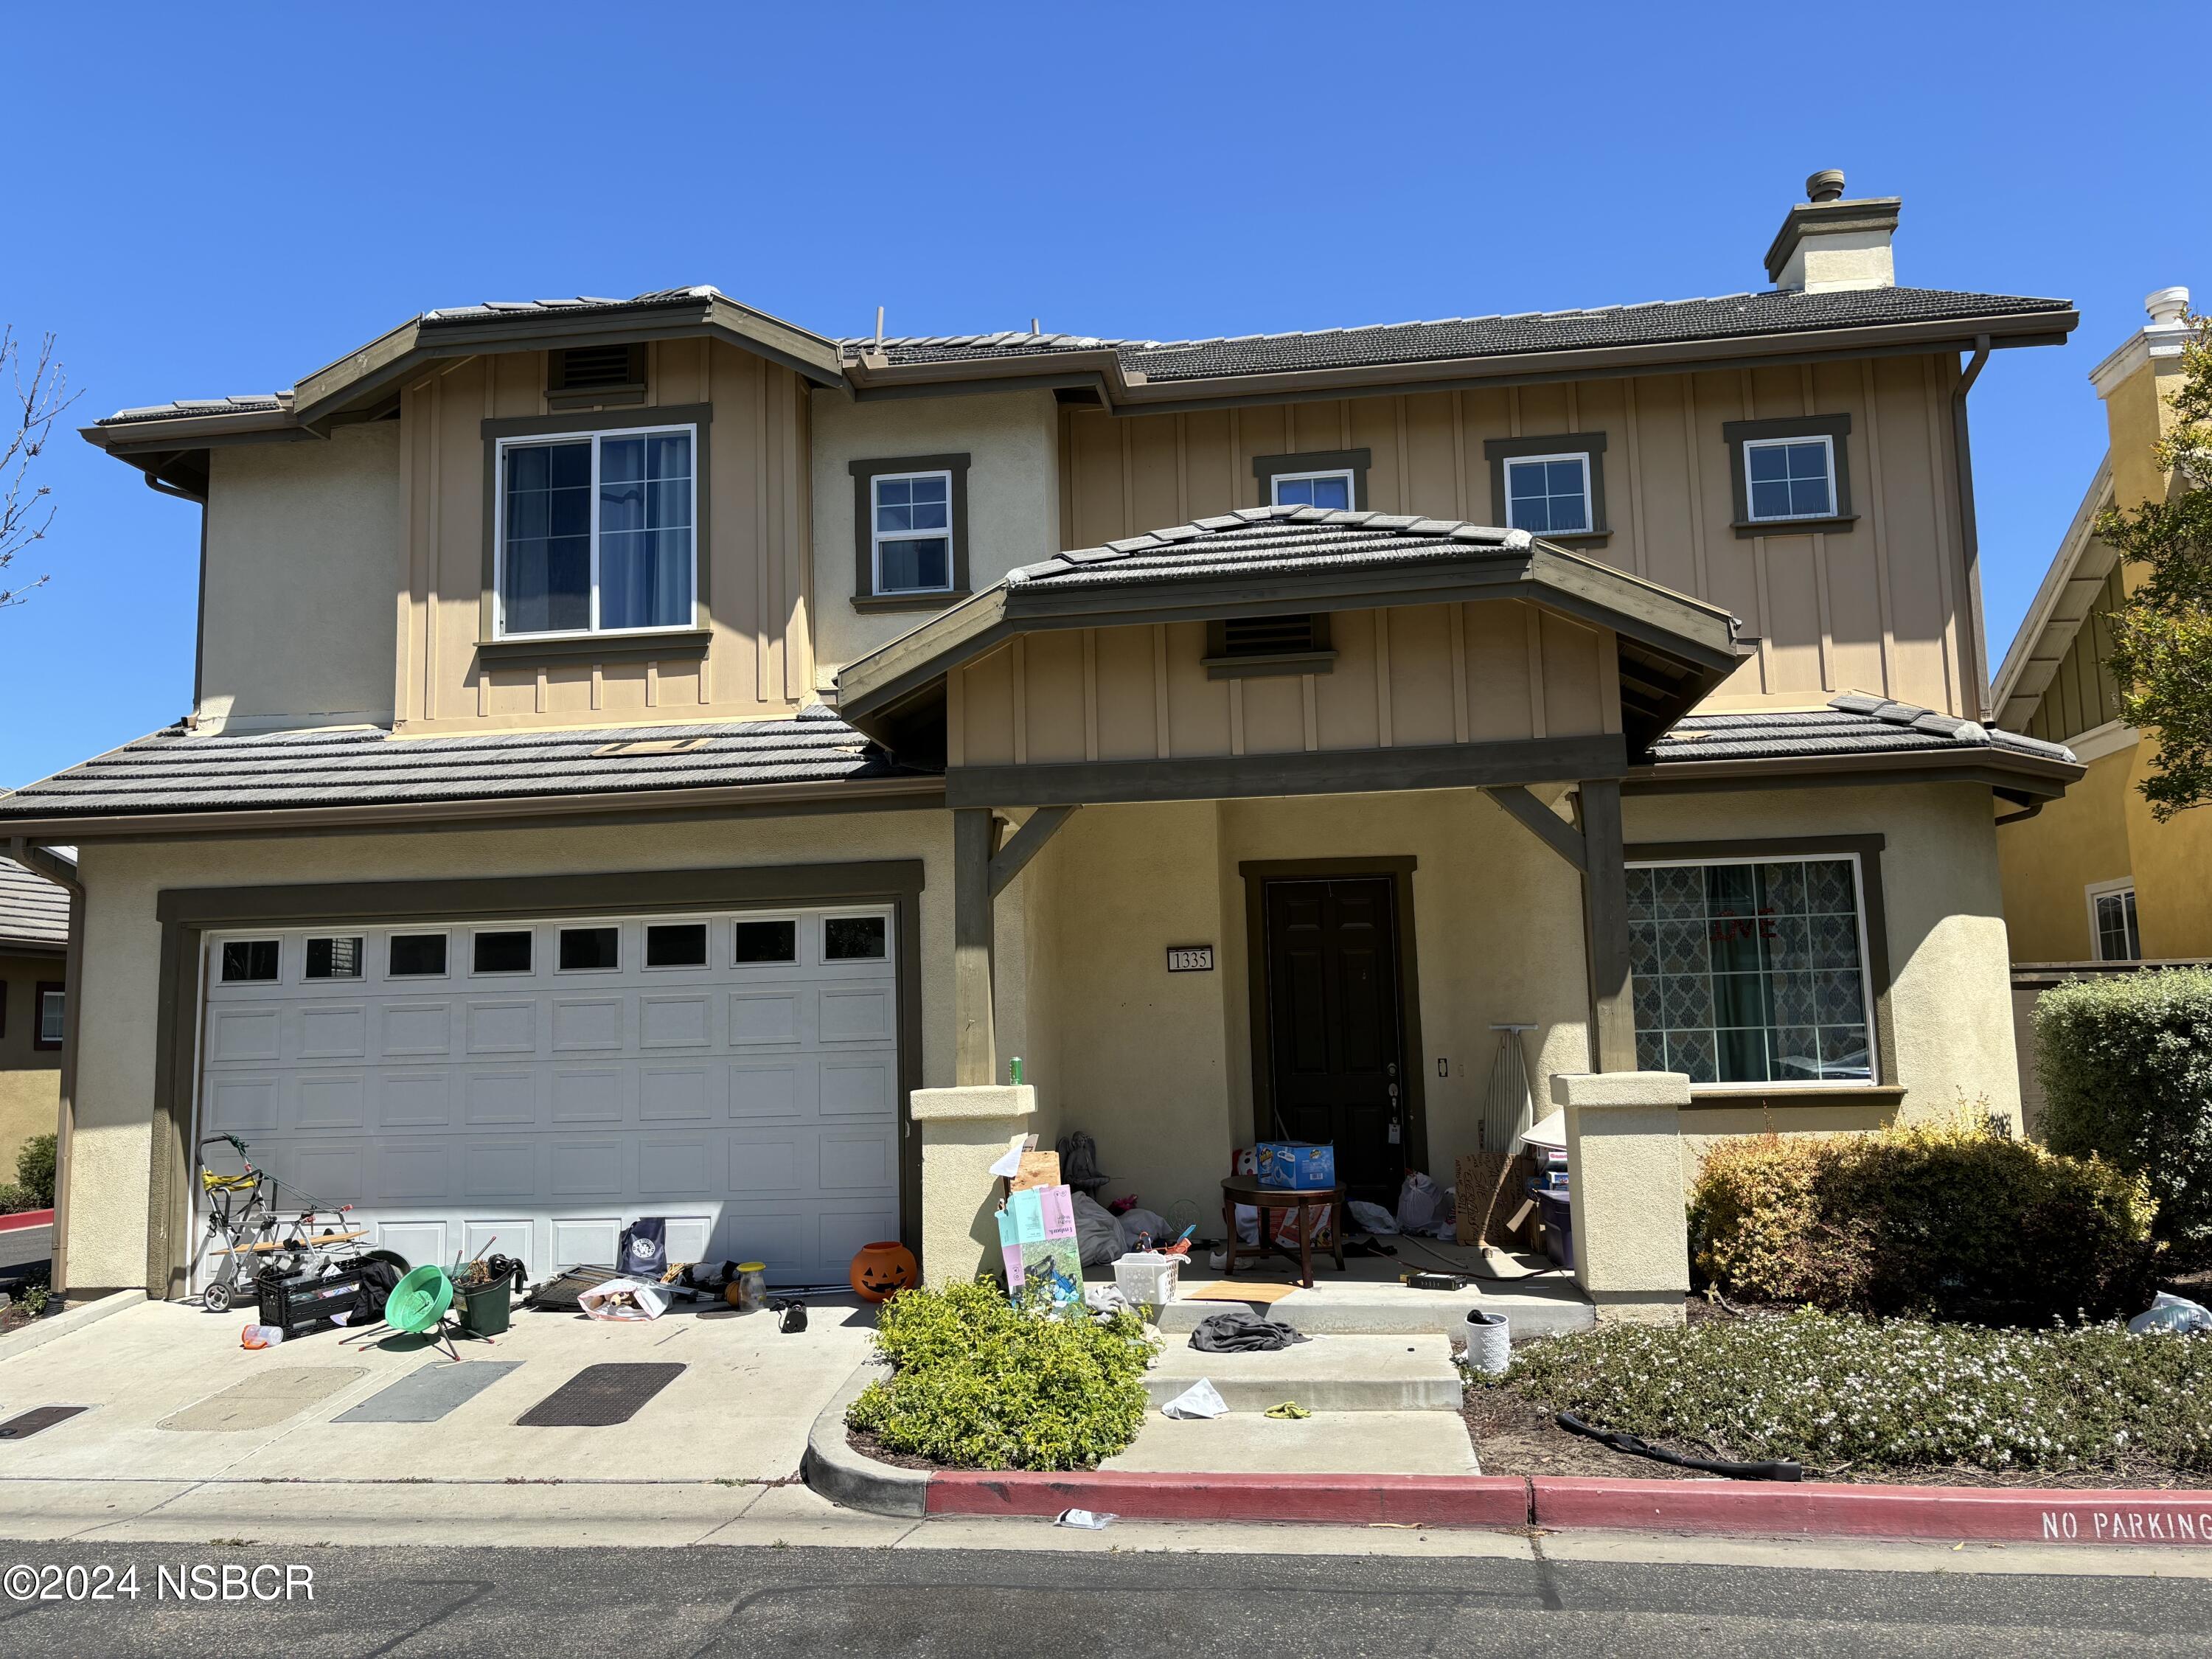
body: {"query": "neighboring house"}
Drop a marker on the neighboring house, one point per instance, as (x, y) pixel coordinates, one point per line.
(610, 716)
(34, 1007)
(2095, 877)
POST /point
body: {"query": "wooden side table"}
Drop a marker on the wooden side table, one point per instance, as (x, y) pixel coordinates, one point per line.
(1273, 1200)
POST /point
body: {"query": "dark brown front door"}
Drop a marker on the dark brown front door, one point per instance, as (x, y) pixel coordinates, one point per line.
(1336, 1041)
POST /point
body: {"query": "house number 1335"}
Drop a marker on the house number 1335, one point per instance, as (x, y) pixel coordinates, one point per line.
(1190, 959)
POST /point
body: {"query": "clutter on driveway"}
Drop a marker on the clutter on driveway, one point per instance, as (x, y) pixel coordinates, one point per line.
(1239, 1330)
(623, 1299)
(1200, 1400)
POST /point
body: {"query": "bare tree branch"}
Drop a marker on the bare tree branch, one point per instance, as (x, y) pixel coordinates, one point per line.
(25, 513)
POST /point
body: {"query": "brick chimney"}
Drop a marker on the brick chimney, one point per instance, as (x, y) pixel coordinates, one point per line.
(1831, 242)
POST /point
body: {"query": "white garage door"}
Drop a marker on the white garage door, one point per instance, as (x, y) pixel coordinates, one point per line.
(549, 1082)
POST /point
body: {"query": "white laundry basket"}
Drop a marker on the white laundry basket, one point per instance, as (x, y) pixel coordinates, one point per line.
(1489, 1342)
(1147, 1279)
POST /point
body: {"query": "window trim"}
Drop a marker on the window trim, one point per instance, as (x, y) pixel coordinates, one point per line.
(1552, 446)
(1866, 851)
(476, 934)
(878, 536)
(705, 964)
(39, 994)
(865, 594)
(1740, 436)
(276, 978)
(562, 929)
(686, 640)
(1314, 462)
(1277, 480)
(2101, 889)
(796, 959)
(393, 935)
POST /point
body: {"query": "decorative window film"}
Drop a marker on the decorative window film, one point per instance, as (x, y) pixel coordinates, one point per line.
(1752, 971)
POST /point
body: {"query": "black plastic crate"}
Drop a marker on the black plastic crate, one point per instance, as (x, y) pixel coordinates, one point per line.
(311, 1302)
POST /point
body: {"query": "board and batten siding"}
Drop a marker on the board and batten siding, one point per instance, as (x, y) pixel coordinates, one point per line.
(1881, 605)
(2083, 695)
(1405, 675)
(759, 663)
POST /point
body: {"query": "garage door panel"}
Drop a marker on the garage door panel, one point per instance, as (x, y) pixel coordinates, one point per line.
(243, 1101)
(412, 1029)
(420, 1241)
(332, 1100)
(326, 1173)
(682, 1093)
(773, 1089)
(506, 1236)
(580, 1240)
(414, 1100)
(335, 1030)
(582, 1024)
(841, 1232)
(667, 1021)
(786, 1239)
(856, 1013)
(588, 1169)
(762, 1164)
(763, 1018)
(508, 1026)
(860, 1085)
(691, 1166)
(593, 1094)
(502, 1099)
(503, 1168)
(414, 1172)
(251, 1031)
(864, 1160)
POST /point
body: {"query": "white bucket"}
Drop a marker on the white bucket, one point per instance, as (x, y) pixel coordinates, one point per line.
(1489, 1342)
(1147, 1278)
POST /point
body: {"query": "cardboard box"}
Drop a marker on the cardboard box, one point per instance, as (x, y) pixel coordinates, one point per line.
(1037, 1169)
(1300, 1164)
(1038, 1246)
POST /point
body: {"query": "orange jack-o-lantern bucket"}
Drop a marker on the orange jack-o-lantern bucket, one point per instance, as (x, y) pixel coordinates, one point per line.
(879, 1270)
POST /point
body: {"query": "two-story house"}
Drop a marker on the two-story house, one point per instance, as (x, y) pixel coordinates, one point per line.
(651, 758)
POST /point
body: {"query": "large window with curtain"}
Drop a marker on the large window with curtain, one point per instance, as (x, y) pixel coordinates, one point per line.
(596, 531)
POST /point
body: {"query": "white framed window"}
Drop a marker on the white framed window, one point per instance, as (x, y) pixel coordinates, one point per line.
(595, 531)
(1549, 494)
(53, 1017)
(1787, 478)
(911, 534)
(2112, 926)
(1330, 490)
(1754, 970)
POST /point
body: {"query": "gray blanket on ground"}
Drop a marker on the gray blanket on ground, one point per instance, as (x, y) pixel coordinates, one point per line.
(1239, 1330)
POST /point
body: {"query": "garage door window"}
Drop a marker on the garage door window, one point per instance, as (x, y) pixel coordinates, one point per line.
(766, 941)
(334, 958)
(247, 961)
(591, 950)
(852, 939)
(675, 945)
(418, 955)
(507, 951)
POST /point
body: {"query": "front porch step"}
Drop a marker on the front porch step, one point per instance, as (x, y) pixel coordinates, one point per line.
(1411, 1373)
(1354, 1308)
(1327, 1443)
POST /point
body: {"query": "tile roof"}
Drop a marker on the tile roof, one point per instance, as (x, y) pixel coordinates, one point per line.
(1853, 724)
(1255, 540)
(1775, 311)
(32, 910)
(178, 771)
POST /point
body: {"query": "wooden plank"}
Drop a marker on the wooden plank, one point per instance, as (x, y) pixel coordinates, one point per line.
(1605, 913)
(1027, 842)
(1546, 825)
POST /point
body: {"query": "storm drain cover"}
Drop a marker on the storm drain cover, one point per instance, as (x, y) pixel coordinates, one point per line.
(262, 1403)
(23, 1427)
(600, 1396)
(426, 1395)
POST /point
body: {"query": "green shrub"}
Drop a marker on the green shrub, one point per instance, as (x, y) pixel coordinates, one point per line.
(979, 1384)
(1941, 1219)
(1828, 1390)
(35, 1172)
(2126, 1064)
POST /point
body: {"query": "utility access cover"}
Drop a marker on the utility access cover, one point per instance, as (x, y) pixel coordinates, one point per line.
(600, 1396)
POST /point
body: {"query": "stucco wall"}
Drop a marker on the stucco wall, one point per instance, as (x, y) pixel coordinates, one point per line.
(2048, 861)
(116, 1074)
(1013, 442)
(303, 568)
(30, 1079)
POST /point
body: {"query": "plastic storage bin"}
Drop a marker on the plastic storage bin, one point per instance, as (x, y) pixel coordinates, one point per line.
(484, 1308)
(1147, 1278)
(309, 1301)
(1559, 1224)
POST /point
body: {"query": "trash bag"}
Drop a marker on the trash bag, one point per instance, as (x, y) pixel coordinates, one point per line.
(1137, 1219)
(1373, 1216)
(624, 1299)
(644, 1250)
(1422, 1207)
(2171, 1313)
(1099, 1234)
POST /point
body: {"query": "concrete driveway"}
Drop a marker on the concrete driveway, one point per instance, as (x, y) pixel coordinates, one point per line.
(167, 1412)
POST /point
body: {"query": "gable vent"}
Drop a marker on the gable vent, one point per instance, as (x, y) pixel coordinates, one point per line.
(590, 368)
(1239, 648)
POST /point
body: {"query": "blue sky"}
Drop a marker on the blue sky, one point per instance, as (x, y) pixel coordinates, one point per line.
(206, 207)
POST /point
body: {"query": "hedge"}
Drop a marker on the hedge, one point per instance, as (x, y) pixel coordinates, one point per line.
(1941, 1219)
(2126, 1065)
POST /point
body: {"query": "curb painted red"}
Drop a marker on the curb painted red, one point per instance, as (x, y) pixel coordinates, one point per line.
(1816, 1509)
(1345, 1499)
(9, 1224)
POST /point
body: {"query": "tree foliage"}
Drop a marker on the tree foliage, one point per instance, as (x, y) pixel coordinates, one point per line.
(40, 394)
(2161, 656)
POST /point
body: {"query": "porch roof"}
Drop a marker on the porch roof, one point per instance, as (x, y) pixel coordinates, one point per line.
(1287, 560)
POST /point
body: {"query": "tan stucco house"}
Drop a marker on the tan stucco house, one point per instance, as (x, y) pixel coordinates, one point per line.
(652, 759)
(33, 1005)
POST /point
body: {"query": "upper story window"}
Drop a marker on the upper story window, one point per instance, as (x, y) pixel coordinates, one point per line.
(1548, 495)
(1333, 488)
(596, 531)
(913, 532)
(2112, 922)
(1790, 471)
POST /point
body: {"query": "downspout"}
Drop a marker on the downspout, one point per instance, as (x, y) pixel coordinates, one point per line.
(1978, 685)
(2025, 812)
(62, 874)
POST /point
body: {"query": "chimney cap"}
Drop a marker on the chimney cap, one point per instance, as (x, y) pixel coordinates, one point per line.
(1826, 185)
(2167, 305)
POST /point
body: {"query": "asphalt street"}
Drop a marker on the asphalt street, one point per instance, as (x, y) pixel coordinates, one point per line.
(641, 1604)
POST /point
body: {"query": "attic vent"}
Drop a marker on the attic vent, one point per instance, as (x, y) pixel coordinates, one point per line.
(592, 368)
(1238, 648)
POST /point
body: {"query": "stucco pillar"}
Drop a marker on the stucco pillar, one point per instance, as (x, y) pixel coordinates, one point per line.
(1625, 1166)
(964, 1132)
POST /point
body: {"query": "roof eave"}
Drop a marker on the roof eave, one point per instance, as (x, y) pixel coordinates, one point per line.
(1999, 768)
(2032, 641)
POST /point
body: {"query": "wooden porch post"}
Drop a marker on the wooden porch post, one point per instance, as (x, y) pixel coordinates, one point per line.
(976, 1047)
(1605, 918)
